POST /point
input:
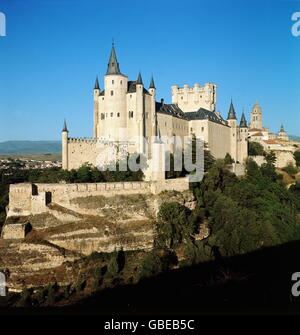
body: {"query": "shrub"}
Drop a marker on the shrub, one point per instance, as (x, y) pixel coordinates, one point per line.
(155, 262)
(255, 149)
(297, 157)
(175, 225)
(290, 169)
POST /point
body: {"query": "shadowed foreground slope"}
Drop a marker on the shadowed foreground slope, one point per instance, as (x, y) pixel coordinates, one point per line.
(254, 283)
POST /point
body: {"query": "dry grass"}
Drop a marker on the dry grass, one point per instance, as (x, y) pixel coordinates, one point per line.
(17, 219)
(287, 179)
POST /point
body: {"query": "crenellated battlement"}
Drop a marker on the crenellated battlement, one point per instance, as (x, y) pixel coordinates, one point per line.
(192, 98)
(82, 140)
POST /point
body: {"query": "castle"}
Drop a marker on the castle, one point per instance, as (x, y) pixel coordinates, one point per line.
(128, 119)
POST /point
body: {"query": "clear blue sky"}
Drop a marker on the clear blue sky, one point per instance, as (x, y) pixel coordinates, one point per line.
(55, 48)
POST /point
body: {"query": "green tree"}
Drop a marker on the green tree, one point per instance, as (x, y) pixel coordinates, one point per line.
(176, 224)
(270, 157)
(297, 157)
(255, 149)
(84, 174)
(228, 159)
(290, 169)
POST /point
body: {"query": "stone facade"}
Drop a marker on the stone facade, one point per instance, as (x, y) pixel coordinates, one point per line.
(14, 231)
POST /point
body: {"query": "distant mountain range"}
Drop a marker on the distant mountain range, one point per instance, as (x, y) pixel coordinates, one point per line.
(29, 147)
(45, 147)
(294, 138)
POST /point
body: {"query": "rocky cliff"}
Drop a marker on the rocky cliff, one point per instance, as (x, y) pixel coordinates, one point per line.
(91, 224)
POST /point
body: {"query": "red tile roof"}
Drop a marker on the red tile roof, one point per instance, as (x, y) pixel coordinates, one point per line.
(271, 142)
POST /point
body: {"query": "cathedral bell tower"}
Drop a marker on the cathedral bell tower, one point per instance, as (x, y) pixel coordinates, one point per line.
(256, 117)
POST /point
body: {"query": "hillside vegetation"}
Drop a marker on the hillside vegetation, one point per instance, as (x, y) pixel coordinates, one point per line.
(243, 215)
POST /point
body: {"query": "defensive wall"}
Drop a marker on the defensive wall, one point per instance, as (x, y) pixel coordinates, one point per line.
(30, 199)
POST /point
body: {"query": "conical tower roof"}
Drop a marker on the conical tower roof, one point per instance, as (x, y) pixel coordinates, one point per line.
(152, 83)
(231, 113)
(65, 126)
(243, 123)
(113, 65)
(96, 84)
(139, 79)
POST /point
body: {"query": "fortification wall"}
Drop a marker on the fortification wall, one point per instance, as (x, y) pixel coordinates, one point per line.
(20, 199)
(81, 151)
(26, 199)
(95, 152)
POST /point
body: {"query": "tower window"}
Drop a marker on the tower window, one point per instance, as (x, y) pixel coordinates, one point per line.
(112, 81)
(118, 114)
(202, 128)
(102, 116)
(111, 92)
(121, 82)
(130, 114)
(111, 114)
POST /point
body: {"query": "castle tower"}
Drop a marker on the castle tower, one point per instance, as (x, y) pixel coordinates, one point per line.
(140, 111)
(96, 107)
(232, 122)
(112, 122)
(256, 117)
(64, 141)
(190, 99)
(243, 140)
(153, 116)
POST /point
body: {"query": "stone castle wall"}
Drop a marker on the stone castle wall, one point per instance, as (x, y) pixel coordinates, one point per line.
(27, 199)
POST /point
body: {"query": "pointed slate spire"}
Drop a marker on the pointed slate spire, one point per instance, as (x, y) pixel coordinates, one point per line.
(231, 113)
(113, 65)
(65, 126)
(139, 80)
(152, 83)
(282, 128)
(243, 123)
(96, 84)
